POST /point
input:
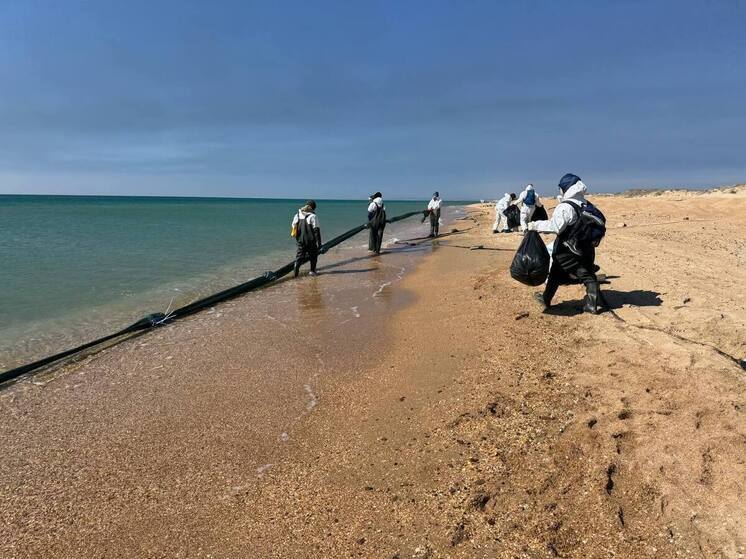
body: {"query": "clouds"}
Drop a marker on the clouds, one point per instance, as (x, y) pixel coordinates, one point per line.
(255, 97)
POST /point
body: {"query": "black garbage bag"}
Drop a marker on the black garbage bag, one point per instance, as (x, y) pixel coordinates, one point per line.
(514, 216)
(540, 214)
(531, 261)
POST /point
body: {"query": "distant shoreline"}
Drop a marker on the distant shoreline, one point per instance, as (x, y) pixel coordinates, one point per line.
(460, 202)
(632, 192)
(226, 198)
(643, 192)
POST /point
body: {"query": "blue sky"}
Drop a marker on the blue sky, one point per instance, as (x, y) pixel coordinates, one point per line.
(337, 99)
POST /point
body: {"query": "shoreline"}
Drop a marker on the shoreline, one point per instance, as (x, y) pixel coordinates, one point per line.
(468, 432)
(240, 372)
(45, 317)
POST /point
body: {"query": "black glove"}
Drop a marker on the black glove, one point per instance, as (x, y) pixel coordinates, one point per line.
(317, 235)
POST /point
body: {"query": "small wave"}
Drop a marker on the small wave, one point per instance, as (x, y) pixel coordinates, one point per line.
(396, 279)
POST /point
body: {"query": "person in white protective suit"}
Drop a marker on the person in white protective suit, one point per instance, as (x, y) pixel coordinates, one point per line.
(501, 221)
(529, 200)
(433, 212)
(571, 264)
(376, 222)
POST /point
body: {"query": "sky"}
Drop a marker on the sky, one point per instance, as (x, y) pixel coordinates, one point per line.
(339, 99)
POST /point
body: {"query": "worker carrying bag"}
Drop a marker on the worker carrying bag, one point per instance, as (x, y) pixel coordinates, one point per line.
(531, 261)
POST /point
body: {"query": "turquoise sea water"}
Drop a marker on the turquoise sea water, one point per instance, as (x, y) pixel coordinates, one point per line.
(75, 266)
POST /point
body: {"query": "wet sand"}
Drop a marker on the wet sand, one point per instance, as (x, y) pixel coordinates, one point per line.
(458, 422)
(148, 440)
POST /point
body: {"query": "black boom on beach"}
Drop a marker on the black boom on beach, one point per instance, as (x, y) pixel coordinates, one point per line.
(156, 319)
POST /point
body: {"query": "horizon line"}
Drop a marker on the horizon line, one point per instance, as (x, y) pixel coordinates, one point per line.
(218, 197)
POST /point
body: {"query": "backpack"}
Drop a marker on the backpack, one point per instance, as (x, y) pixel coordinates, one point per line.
(588, 230)
(530, 198)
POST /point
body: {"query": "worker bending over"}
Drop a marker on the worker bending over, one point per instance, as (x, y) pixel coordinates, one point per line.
(501, 220)
(530, 201)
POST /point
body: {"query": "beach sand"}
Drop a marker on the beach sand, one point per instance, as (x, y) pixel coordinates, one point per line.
(445, 417)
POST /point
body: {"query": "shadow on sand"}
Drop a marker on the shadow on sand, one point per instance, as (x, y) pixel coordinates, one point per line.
(613, 300)
(475, 247)
(369, 257)
(419, 240)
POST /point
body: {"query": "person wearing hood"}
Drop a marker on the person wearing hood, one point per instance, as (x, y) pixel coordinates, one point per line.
(376, 222)
(570, 263)
(501, 220)
(305, 230)
(433, 210)
(529, 199)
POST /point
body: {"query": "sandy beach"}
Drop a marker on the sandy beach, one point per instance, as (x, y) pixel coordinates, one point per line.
(446, 416)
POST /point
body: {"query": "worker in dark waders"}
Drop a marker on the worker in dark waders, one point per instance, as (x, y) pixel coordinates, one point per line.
(433, 212)
(376, 222)
(579, 227)
(305, 230)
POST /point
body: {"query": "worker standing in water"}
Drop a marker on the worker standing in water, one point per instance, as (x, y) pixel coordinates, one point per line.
(530, 201)
(305, 230)
(433, 209)
(376, 222)
(579, 227)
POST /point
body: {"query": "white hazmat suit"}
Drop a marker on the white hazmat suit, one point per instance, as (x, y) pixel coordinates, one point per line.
(563, 215)
(527, 210)
(568, 264)
(501, 222)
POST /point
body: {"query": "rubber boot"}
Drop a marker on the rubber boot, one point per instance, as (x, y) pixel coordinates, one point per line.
(593, 302)
(539, 298)
(549, 291)
(296, 269)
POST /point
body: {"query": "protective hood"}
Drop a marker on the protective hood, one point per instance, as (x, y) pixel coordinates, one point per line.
(567, 180)
(530, 187)
(378, 201)
(576, 192)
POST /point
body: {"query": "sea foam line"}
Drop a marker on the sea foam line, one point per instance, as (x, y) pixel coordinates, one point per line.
(384, 285)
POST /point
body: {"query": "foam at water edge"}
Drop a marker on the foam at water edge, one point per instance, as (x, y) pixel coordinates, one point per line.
(384, 285)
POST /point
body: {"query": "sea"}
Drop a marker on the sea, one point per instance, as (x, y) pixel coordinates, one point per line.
(73, 268)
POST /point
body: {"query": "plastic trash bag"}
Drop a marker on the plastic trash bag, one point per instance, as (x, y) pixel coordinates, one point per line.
(540, 214)
(514, 216)
(531, 261)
